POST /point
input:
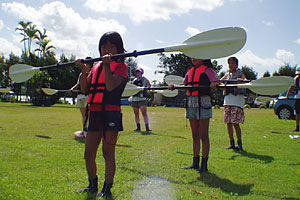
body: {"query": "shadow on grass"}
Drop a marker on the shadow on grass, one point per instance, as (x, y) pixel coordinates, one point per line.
(158, 134)
(93, 196)
(123, 145)
(189, 154)
(212, 180)
(81, 140)
(266, 159)
(43, 136)
(284, 133)
(295, 164)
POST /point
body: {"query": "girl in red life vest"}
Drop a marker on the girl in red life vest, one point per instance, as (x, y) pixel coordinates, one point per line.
(105, 84)
(199, 108)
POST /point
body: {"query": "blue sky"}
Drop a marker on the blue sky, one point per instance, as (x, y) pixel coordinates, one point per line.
(75, 27)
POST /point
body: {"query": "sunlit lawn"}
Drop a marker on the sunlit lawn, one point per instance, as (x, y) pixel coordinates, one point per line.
(40, 158)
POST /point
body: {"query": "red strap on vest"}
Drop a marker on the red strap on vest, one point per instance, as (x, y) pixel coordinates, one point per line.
(194, 78)
(97, 85)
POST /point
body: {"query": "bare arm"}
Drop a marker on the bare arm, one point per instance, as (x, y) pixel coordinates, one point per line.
(74, 87)
(214, 85)
(85, 79)
(289, 91)
(243, 78)
(111, 80)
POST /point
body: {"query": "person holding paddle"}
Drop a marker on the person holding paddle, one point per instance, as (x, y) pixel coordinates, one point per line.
(139, 101)
(105, 84)
(199, 108)
(234, 103)
(81, 103)
(296, 86)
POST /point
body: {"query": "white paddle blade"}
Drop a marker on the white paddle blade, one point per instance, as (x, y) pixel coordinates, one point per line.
(21, 72)
(174, 80)
(263, 99)
(131, 89)
(269, 85)
(49, 91)
(4, 90)
(212, 44)
(168, 93)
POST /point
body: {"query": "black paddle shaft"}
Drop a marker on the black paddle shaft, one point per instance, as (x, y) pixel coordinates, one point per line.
(186, 87)
(123, 55)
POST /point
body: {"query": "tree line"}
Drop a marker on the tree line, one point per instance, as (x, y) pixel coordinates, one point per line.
(66, 77)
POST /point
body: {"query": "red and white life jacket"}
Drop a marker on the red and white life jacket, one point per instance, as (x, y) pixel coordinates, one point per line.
(196, 77)
(98, 93)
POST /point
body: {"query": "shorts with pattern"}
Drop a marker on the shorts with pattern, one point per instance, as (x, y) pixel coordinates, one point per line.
(138, 104)
(233, 115)
(105, 120)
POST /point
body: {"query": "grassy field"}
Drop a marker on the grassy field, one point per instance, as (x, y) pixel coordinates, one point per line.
(40, 158)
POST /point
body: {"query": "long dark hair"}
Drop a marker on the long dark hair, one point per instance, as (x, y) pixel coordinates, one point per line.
(208, 63)
(114, 38)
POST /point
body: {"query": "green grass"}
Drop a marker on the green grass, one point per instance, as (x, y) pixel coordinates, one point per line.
(40, 158)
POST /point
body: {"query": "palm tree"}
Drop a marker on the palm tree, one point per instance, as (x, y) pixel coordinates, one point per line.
(24, 25)
(41, 38)
(31, 33)
(44, 48)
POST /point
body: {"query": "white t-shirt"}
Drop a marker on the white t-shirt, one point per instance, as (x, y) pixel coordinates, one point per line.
(234, 100)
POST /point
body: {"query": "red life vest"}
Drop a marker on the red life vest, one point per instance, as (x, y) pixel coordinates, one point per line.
(98, 93)
(194, 78)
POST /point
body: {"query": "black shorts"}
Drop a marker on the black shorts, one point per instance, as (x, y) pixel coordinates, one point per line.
(297, 106)
(105, 120)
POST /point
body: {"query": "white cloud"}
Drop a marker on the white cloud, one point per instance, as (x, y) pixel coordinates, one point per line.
(298, 41)
(192, 31)
(261, 65)
(139, 10)
(159, 41)
(69, 32)
(284, 55)
(1, 24)
(8, 47)
(268, 23)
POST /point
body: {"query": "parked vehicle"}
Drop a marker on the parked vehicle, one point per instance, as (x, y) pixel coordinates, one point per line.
(259, 103)
(5, 97)
(284, 108)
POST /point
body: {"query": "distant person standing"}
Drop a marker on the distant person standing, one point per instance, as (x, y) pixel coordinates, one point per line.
(296, 87)
(81, 103)
(234, 103)
(139, 101)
